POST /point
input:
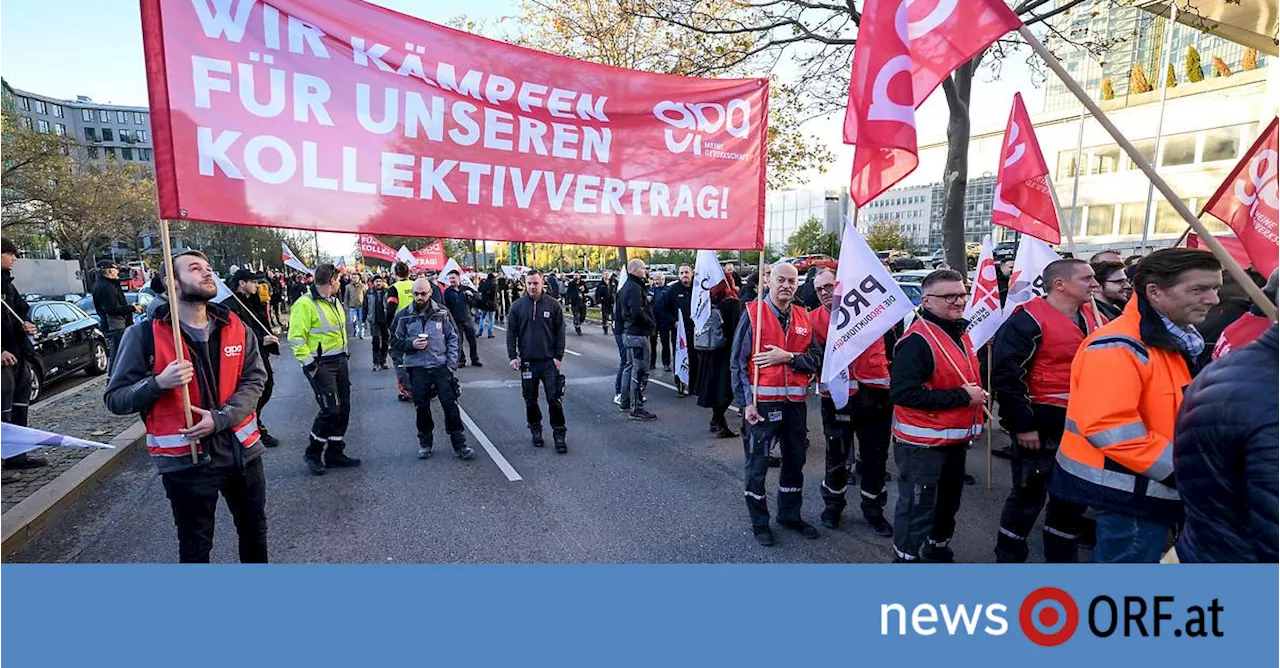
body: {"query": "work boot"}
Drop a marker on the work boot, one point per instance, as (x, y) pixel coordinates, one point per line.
(335, 457)
(312, 457)
(476, 363)
(25, 461)
(879, 524)
(424, 447)
(460, 448)
(763, 534)
(773, 461)
(268, 441)
(642, 415)
(536, 431)
(723, 431)
(558, 437)
(830, 518)
(801, 527)
(937, 553)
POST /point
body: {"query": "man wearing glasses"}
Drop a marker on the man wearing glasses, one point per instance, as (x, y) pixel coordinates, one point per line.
(867, 414)
(1114, 288)
(1032, 381)
(937, 396)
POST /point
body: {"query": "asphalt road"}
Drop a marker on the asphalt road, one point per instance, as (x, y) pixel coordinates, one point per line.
(663, 491)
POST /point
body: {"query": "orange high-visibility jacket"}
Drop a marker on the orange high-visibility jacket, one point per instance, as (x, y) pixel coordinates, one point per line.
(1117, 450)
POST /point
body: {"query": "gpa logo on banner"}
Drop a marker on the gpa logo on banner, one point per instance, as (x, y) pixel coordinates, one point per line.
(1050, 617)
(699, 126)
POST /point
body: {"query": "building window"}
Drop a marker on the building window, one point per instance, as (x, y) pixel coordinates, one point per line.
(56, 110)
(1179, 150)
(122, 117)
(86, 115)
(1132, 217)
(1101, 217)
(1066, 164)
(110, 152)
(42, 126)
(1147, 147)
(40, 108)
(1221, 144)
(1106, 159)
(93, 152)
(126, 153)
(144, 154)
(25, 122)
(1167, 219)
(142, 135)
(60, 129)
(91, 134)
(24, 103)
(104, 116)
(124, 135)
(139, 118)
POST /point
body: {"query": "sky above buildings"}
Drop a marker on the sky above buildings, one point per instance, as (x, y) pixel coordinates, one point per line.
(66, 48)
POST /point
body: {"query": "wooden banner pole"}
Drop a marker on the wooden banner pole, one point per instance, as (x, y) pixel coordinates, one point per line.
(175, 323)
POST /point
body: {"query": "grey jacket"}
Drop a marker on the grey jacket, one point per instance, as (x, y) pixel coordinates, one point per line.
(442, 336)
(133, 389)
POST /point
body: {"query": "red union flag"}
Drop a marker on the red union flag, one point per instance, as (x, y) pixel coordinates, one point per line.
(927, 39)
(1248, 199)
(1022, 201)
(343, 116)
(430, 256)
(371, 247)
(984, 310)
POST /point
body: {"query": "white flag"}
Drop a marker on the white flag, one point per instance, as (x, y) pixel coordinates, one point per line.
(1026, 284)
(867, 304)
(707, 274)
(406, 256)
(290, 260)
(983, 311)
(15, 440)
(682, 351)
(223, 291)
(451, 265)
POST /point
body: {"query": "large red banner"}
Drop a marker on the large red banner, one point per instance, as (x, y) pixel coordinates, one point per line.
(372, 248)
(1022, 200)
(1248, 201)
(343, 116)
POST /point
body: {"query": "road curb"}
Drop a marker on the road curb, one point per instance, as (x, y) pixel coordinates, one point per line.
(30, 515)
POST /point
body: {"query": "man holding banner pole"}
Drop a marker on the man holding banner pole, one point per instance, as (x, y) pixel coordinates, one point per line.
(783, 362)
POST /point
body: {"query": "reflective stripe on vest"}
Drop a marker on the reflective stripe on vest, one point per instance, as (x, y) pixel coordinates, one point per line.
(326, 327)
(926, 433)
(820, 319)
(941, 427)
(1117, 480)
(779, 382)
(1049, 374)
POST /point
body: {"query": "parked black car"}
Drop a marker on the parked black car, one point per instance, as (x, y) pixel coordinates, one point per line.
(68, 340)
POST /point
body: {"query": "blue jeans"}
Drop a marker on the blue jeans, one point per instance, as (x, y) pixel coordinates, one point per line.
(485, 321)
(622, 361)
(1127, 539)
(357, 323)
(636, 374)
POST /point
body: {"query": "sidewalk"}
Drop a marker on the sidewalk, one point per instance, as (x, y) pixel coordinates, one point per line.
(82, 415)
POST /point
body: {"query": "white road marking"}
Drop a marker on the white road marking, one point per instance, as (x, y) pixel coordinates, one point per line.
(489, 447)
(571, 352)
(513, 382)
(655, 381)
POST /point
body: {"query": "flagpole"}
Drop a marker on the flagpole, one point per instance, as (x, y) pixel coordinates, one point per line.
(171, 286)
(755, 347)
(990, 421)
(1229, 263)
(1071, 246)
(1147, 213)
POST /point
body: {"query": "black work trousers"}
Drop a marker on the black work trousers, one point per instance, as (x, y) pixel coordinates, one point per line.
(930, 482)
(437, 381)
(193, 496)
(469, 332)
(266, 390)
(666, 336)
(784, 425)
(579, 309)
(15, 388)
(332, 386)
(381, 341)
(1063, 520)
(869, 416)
(542, 372)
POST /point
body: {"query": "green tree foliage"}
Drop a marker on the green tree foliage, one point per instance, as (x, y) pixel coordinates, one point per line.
(885, 235)
(1195, 73)
(808, 238)
(1170, 79)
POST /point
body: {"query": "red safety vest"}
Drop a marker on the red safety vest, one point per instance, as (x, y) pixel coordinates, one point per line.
(1049, 379)
(165, 420)
(1245, 330)
(779, 382)
(956, 425)
(872, 366)
(820, 318)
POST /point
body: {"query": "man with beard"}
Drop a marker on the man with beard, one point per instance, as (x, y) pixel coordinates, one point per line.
(224, 375)
(459, 305)
(1114, 288)
(254, 313)
(680, 297)
(428, 338)
(317, 332)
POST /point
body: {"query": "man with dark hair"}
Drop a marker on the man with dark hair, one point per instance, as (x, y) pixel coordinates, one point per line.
(535, 346)
(1031, 379)
(680, 297)
(575, 295)
(604, 298)
(18, 351)
(223, 372)
(1248, 327)
(113, 308)
(1127, 382)
(399, 298)
(428, 337)
(937, 396)
(247, 304)
(318, 334)
(378, 312)
(1114, 288)
(771, 383)
(460, 308)
(1105, 256)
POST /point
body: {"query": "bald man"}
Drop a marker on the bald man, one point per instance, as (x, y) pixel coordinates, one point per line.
(426, 335)
(637, 324)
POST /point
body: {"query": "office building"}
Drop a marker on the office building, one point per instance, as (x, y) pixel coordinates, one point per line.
(104, 130)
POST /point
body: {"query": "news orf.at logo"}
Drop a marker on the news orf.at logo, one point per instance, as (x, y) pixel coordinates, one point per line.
(1048, 616)
(701, 128)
